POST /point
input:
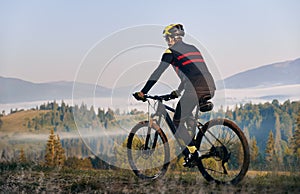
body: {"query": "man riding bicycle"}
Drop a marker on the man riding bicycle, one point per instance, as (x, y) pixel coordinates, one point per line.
(196, 81)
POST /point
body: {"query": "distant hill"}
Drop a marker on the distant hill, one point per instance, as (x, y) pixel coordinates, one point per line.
(282, 73)
(16, 90)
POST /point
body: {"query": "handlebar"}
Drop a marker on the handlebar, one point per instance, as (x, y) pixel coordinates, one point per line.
(165, 97)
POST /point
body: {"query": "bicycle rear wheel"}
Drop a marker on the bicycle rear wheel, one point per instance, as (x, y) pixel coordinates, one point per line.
(224, 149)
(148, 151)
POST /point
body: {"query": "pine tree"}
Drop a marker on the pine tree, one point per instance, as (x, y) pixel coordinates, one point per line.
(59, 155)
(101, 115)
(246, 133)
(92, 113)
(254, 150)
(228, 113)
(109, 115)
(29, 125)
(62, 111)
(277, 144)
(236, 114)
(55, 154)
(50, 149)
(296, 138)
(270, 149)
(288, 157)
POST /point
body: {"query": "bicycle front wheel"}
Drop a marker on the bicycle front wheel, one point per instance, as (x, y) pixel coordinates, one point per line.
(224, 149)
(148, 150)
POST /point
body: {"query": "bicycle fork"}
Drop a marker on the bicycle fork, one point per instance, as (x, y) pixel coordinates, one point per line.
(148, 136)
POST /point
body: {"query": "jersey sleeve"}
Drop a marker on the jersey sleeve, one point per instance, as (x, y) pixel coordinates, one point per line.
(166, 60)
(155, 76)
(167, 56)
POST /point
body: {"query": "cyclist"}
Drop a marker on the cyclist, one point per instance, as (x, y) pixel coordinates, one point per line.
(196, 81)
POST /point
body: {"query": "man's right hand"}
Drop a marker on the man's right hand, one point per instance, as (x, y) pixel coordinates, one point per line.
(139, 96)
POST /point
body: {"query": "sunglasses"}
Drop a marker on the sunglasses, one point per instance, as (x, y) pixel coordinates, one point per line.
(167, 38)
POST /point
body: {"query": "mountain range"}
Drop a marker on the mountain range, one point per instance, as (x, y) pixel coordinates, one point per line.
(15, 90)
(276, 74)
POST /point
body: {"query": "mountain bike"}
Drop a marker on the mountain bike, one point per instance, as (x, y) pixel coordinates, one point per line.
(224, 149)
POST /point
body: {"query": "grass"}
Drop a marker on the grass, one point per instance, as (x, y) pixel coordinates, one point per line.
(27, 179)
(17, 122)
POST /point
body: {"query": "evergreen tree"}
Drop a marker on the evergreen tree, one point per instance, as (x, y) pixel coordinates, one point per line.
(254, 150)
(296, 138)
(50, 149)
(55, 154)
(55, 106)
(228, 113)
(92, 113)
(101, 115)
(288, 157)
(62, 110)
(29, 125)
(286, 123)
(277, 146)
(109, 115)
(236, 115)
(270, 149)
(59, 156)
(246, 133)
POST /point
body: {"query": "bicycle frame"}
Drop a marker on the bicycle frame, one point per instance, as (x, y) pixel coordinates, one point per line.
(162, 110)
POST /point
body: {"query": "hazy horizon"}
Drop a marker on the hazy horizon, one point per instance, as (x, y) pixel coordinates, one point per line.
(65, 80)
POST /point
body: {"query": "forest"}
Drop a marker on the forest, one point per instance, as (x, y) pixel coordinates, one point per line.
(272, 130)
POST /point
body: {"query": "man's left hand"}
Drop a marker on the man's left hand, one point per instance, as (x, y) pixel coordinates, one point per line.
(175, 94)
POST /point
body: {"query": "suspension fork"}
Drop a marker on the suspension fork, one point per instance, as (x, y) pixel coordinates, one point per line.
(148, 137)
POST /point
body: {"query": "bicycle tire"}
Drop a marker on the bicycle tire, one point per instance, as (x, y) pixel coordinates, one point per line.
(151, 163)
(237, 162)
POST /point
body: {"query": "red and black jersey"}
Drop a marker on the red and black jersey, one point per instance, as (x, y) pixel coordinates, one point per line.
(188, 63)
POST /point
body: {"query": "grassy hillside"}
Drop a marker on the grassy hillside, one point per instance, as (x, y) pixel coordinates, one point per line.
(17, 122)
(15, 135)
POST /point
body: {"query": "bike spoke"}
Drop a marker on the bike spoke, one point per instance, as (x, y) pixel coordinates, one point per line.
(213, 170)
(223, 150)
(147, 159)
(229, 139)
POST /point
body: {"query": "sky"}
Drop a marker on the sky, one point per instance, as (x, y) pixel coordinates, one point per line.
(43, 41)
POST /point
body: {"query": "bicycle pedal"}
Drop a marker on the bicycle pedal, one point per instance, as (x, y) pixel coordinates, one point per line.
(191, 160)
(189, 165)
